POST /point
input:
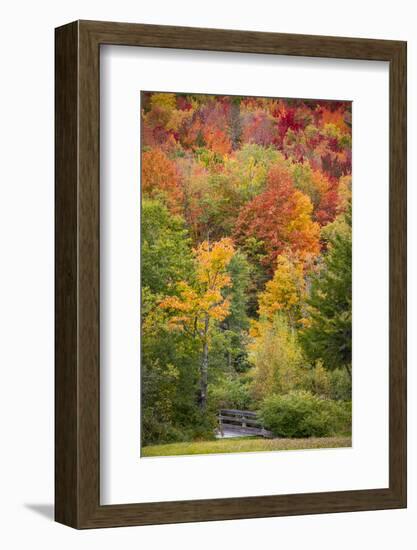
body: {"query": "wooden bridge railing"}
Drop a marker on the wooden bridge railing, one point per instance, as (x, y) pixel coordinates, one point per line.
(241, 423)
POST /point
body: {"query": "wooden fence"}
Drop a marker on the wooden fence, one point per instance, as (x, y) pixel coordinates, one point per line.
(233, 421)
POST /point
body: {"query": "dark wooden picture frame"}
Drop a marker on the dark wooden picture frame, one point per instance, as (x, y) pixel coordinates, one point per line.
(77, 374)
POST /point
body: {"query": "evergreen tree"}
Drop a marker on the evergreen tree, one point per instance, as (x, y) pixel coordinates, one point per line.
(328, 334)
(236, 324)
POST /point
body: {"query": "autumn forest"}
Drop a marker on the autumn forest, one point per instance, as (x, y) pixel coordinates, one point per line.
(245, 271)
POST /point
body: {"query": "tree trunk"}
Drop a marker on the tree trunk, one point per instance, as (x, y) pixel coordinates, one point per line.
(204, 368)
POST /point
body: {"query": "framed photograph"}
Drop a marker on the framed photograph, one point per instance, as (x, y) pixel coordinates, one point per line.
(230, 274)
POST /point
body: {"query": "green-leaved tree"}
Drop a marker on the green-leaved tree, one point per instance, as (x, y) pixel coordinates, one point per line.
(328, 334)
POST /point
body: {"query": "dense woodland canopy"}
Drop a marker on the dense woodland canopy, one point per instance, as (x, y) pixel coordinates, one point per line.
(246, 263)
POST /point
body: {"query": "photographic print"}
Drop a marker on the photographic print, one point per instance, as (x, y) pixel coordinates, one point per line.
(246, 274)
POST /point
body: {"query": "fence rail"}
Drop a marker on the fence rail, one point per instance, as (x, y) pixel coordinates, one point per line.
(242, 423)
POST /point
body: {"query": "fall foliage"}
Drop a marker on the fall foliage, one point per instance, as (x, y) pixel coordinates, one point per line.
(193, 305)
(245, 259)
(281, 218)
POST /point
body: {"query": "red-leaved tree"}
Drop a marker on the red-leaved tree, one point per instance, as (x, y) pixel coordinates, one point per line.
(280, 218)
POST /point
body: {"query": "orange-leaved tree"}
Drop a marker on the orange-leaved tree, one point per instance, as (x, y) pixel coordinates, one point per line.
(281, 218)
(160, 177)
(198, 307)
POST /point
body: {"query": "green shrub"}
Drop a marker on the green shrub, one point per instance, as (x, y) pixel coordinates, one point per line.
(201, 425)
(336, 384)
(229, 393)
(318, 381)
(340, 385)
(302, 414)
(154, 431)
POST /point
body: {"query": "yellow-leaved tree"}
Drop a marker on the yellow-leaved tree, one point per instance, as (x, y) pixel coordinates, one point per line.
(197, 307)
(277, 359)
(285, 292)
(275, 351)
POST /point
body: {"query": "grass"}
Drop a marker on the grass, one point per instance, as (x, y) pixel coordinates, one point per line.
(241, 445)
